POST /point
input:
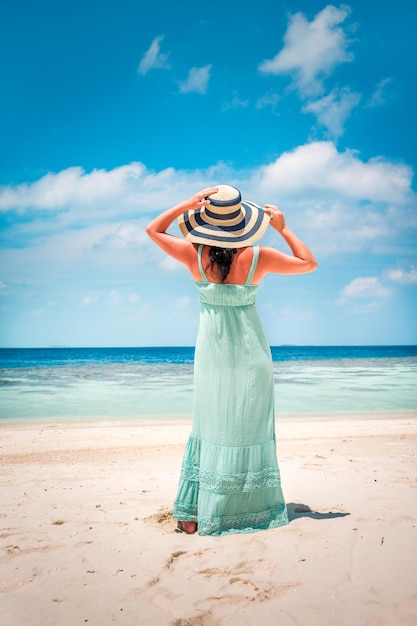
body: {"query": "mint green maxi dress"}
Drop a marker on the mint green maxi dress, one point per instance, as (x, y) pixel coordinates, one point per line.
(230, 480)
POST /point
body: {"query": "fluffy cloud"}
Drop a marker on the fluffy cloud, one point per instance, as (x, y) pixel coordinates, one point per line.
(270, 99)
(379, 96)
(168, 264)
(333, 109)
(235, 103)
(184, 302)
(88, 300)
(153, 58)
(339, 202)
(403, 277)
(317, 169)
(71, 187)
(311, 49)
(197, 80)
(126, 235)
(74, 197)
(365, 287)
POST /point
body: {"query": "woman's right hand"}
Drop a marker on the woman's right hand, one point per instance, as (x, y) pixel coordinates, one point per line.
(199, 199)
(277, 217)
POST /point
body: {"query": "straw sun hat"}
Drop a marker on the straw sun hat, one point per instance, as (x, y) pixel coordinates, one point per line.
(227, 222)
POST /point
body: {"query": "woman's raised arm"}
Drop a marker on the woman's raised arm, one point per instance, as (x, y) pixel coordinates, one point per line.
(177, 247)
(274, 261)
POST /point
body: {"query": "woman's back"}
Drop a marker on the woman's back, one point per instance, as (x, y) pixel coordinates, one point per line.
(240, 267)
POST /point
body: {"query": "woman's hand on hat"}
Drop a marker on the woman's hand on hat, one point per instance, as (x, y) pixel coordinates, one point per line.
(277, 217)
(200, 199)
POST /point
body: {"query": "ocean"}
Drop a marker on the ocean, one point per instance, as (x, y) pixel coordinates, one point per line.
(52, 385)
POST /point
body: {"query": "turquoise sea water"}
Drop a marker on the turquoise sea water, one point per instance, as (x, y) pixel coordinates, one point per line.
(65, 384)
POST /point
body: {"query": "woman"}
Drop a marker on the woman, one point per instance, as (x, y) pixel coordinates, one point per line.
(230, 480)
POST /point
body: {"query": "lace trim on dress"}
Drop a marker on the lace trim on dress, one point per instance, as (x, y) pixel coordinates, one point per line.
(185, 512)
(228, 483)
(250, 522)
(273, 517)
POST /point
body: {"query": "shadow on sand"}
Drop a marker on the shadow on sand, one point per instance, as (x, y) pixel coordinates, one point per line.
(295, 511)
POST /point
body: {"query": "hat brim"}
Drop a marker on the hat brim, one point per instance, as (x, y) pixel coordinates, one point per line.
(196, 227)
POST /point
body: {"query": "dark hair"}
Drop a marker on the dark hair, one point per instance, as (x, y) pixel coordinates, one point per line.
(221, 261)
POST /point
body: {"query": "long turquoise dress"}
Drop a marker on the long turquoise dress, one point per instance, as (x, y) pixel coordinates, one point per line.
(230, 480)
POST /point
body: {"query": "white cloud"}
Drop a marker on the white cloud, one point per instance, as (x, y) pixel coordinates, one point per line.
(365, 287)
(379, 96)
(101, 196)
(126, 235)
(153, 58)
(57, 191)
(335, 227)
(365, 308)
(184, 302)
(311, 49)
(87, 300)
(169, 264)
(403, 277)
(333, 109)
(197, 80)
(115, 297)
(270, 99)
(235, 103)
(73, 198)
(294, 313)
(319, 169)
(342, 203)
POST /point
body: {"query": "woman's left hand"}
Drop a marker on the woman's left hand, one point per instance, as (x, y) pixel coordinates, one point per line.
(276, 215)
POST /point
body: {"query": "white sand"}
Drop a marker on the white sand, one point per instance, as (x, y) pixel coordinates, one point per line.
(86, 535)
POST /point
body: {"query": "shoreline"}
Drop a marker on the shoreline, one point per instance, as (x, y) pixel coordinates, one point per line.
(285, 418)
(87, 535)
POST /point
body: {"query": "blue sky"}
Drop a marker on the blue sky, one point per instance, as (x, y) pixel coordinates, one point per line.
(112, 112)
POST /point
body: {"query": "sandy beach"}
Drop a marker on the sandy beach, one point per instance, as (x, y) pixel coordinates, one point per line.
(87, 537)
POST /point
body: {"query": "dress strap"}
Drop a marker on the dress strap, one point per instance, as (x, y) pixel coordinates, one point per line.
(200, 264)
(253, 265)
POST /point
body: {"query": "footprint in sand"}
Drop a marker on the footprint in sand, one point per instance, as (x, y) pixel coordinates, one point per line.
(217, 591)
(162, 519)
(15, 550)
(195, 620)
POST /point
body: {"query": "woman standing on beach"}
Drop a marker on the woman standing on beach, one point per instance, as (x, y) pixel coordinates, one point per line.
(230, 479)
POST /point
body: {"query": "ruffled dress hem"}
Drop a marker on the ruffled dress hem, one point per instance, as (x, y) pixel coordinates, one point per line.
(231, 524)
(224, 502)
